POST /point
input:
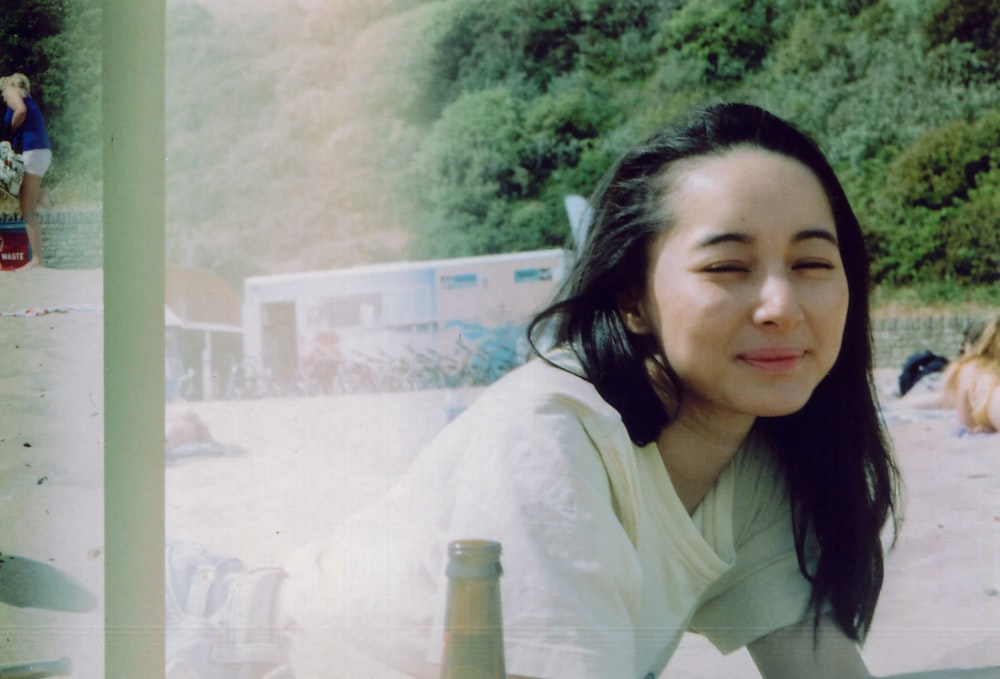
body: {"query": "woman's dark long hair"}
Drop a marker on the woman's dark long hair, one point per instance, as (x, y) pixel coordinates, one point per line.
(842, 482)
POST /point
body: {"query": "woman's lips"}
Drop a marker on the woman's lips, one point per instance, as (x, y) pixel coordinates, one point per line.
(773, 361)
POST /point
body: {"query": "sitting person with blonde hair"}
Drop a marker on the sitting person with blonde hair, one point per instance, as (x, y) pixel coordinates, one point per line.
(972, 383)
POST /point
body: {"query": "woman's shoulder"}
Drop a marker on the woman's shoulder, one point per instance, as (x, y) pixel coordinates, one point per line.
(545, 404)
(976, 373)
(15, 94)
(535, 415)
(548, 413)
(551, 385)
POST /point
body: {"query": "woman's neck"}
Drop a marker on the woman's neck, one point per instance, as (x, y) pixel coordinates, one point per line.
(696, 449)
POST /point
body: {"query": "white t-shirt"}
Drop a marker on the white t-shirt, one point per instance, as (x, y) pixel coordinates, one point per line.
(604, 569)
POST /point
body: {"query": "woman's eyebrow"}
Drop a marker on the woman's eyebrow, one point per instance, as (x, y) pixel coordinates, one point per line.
(727, 237)
(822, 234)
(746, 239)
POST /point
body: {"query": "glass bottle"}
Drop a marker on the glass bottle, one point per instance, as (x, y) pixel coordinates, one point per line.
(473, 646)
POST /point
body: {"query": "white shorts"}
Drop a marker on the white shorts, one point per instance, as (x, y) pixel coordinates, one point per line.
(36, 162)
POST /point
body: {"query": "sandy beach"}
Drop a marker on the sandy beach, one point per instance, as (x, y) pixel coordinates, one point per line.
(304, 464)
(51, 460)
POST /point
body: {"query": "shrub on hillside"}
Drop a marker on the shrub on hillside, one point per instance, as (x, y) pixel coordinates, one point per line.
(941, 166)
(972, 21)
(726, 38)
(971, 233)
(522, 42)
(937, 216)
(477, 166)
(908, 248)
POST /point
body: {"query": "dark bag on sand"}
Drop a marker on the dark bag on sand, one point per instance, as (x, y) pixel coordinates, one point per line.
(917, 366)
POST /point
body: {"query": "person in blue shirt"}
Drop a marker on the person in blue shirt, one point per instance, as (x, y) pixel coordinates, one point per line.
(27, 128)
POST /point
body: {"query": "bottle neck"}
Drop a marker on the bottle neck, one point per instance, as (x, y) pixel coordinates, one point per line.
(473, 618)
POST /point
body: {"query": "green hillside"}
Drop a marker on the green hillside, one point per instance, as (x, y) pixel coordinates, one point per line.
(304, 136)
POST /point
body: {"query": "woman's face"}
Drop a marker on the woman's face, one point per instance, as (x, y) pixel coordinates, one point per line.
(746, 293)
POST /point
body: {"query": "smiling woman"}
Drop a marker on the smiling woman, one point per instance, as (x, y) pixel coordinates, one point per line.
(721, 301)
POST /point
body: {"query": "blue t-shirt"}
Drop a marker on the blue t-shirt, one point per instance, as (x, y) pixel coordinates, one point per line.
(31, 135)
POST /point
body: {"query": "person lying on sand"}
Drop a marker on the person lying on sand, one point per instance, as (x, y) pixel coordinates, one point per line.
(187, 435)
(972, 383)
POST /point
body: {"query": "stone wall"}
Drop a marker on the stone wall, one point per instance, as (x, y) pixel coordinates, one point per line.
(898, 338)
(73, 239)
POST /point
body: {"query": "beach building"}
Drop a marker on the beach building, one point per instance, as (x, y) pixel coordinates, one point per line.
(204, 346)
(301, 325)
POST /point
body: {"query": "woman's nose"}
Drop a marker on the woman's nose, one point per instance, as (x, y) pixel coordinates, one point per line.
(778, 304)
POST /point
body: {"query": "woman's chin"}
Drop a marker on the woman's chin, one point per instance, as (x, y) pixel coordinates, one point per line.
(780, 407)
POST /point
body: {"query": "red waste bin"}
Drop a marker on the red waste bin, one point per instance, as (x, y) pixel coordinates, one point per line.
(15, 251)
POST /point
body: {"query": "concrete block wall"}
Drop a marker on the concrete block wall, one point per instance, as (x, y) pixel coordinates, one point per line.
(73, 239)
(896, 339)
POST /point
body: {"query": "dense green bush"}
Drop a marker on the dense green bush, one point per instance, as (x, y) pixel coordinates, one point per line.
(475, 158)
(938, 208)
(971, 232)
(941, 166)
(486, 44)
(727, 38)
(976, 22)
(73, 84)
(616, 37)
(908, 249)
(26, 25)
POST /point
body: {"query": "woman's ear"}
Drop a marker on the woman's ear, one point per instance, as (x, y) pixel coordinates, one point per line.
(633, 312)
